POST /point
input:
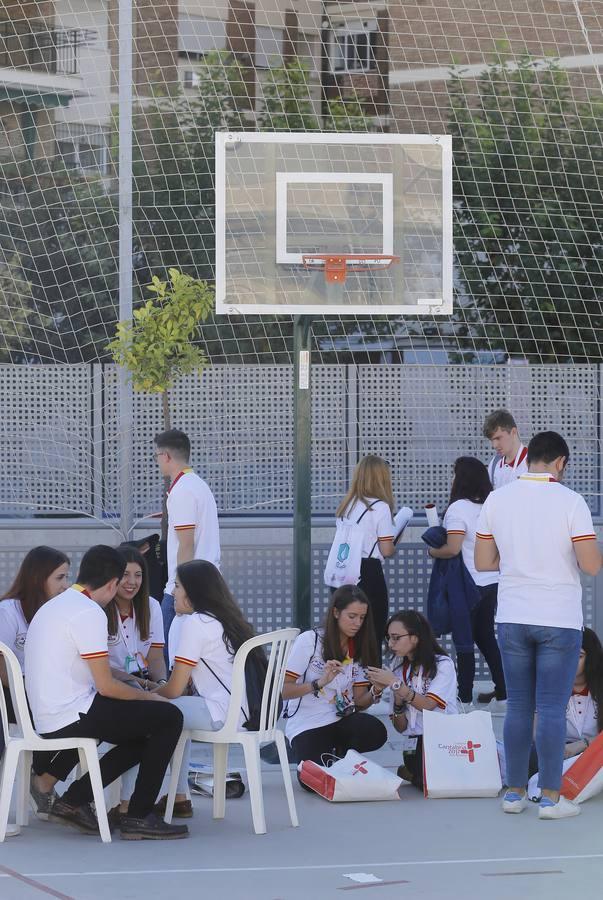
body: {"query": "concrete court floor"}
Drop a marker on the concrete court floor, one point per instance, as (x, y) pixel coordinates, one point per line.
(428, 849)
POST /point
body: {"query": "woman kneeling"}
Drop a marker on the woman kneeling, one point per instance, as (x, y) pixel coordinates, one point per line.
(326, 684)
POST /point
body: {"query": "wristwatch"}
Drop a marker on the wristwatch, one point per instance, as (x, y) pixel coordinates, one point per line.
(315, 688)
(396, 685)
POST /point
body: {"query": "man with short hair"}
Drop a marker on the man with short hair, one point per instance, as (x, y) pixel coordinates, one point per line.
(539, 534)
(510, 460)
(193, 531)
(72, 693)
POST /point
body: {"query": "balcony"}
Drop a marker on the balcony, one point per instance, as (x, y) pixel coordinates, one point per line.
(33, 45)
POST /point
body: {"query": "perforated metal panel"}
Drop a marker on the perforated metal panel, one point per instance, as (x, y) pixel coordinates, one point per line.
(46, 436)
(62, 431)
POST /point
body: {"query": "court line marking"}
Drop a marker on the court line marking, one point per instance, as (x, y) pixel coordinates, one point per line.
(10, 873)
(322, 867)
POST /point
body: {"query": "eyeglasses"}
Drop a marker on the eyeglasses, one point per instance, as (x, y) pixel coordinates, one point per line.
(394, 638)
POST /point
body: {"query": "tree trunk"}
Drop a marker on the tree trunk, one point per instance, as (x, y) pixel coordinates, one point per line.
(167, 424)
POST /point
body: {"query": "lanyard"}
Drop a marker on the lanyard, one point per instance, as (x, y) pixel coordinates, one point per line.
(135, 660)
(178, 477)
(82, 590)
(519, 457)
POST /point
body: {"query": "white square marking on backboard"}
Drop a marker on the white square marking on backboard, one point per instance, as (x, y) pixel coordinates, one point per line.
(284, 179)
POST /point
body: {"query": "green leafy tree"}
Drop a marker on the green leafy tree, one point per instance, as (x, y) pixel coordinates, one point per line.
(528, 192)
(21, 327)
(62, 229)
(287, 96)
(346, 113)
(160, 345)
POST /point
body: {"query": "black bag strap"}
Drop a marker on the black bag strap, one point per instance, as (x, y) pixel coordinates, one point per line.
(304, 675)
(217, 677)
(358, 523)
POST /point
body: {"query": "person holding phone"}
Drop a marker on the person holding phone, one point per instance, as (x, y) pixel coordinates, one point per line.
(326, 687)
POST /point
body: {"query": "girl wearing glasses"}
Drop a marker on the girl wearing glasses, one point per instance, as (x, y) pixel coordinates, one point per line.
(326, 685)
(370, 503)
(422, 677)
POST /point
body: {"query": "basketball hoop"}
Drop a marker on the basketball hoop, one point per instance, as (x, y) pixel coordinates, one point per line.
(336, 266)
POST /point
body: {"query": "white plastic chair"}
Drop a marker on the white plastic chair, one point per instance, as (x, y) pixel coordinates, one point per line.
(280, 642)
(22, 740)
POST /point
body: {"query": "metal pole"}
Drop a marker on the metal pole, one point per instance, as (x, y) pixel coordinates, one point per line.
(302, 512)
(125, 96)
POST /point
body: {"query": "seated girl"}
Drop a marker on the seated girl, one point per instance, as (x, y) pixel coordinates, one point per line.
(326, 687)
(422, 676)
(211, 628)
(43, 574)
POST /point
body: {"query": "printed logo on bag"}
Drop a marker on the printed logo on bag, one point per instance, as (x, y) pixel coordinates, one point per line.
(467, 749)
(360, 767)
(343, 554)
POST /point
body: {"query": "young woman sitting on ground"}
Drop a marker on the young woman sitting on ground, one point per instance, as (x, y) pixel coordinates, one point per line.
(422, 676)
(326, 687)
(210, 630)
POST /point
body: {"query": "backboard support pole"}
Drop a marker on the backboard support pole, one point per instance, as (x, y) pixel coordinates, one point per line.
(302, 477)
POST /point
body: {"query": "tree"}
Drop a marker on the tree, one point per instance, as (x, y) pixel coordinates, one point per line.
(287, 97)
(528, 244)
(159, 346)
(59, 232)
(21, 327)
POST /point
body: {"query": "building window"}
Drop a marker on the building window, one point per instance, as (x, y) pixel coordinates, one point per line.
(353, 47)
(190, 79)
(268, 47)
(197, 36)
(83, 147)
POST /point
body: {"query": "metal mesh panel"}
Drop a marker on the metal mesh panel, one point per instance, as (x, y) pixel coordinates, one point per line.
(45, 428)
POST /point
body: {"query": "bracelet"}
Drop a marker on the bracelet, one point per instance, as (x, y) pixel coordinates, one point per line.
(376, 695)
(412, 699)
(162, 681)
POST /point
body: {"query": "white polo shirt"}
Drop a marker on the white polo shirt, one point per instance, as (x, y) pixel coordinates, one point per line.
(201, 638)
(375, 524)
(127, 644)
(310, 711)
(461, 518)
(535, 522)
(191, 505)
(581, 717)
(66, 632)
(442, 688)
(501, 472)
(13, 628)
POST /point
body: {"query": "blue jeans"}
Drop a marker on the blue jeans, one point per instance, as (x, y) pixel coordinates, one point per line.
(540, 665)
(167, 610)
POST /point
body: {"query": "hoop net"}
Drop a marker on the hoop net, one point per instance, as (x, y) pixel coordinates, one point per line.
(337, 266)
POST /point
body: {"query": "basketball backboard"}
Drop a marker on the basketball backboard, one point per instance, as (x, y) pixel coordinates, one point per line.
(377, 206)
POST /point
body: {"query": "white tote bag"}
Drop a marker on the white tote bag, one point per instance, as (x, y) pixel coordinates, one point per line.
(345, 555)
(352, 778)
(459, 756)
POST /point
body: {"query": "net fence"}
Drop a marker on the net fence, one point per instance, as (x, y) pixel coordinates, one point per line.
(518, 85)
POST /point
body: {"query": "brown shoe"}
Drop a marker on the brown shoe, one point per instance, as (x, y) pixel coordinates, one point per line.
(183, 809)
(80, 817)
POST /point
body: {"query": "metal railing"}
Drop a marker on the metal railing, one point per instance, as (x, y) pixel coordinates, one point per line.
(35, 46)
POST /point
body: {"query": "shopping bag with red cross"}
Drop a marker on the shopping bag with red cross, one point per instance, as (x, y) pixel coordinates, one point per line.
(584, 778)
(459, 756)
(354, 777)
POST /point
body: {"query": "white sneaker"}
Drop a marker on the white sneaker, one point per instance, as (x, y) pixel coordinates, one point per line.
(563, 809)
(12, 830)
(497, 707)
(514, 803)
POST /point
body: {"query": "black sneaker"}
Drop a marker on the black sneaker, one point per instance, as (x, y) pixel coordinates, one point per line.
(151, 828)
(486, 697)
(41, 801)
(80, 817)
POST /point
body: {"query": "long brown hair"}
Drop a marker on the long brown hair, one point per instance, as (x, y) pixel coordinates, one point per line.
(371, 480)
(427, 646)
(365, 643)
(140, 602)
(29, 586)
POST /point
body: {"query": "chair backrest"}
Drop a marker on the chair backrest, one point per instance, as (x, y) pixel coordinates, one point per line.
(18, 696)
(280, 643)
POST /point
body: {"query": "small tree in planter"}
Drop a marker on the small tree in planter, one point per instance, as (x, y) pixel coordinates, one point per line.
(157, 347)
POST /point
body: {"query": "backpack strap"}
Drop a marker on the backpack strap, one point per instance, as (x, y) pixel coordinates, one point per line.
(304, 675)
(217, 677)
(493, 465)
(358, 521)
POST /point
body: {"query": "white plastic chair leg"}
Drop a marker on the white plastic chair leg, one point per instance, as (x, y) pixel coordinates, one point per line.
(9, 773)
(22, 798)
(254, 780)
(284, 761)
(99, 796)
(175, 766)
(220, 763)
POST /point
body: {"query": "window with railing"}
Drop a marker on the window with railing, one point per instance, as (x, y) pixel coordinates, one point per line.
(26, 44)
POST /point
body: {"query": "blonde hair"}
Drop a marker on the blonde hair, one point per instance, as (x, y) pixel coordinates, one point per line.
(371, 480)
